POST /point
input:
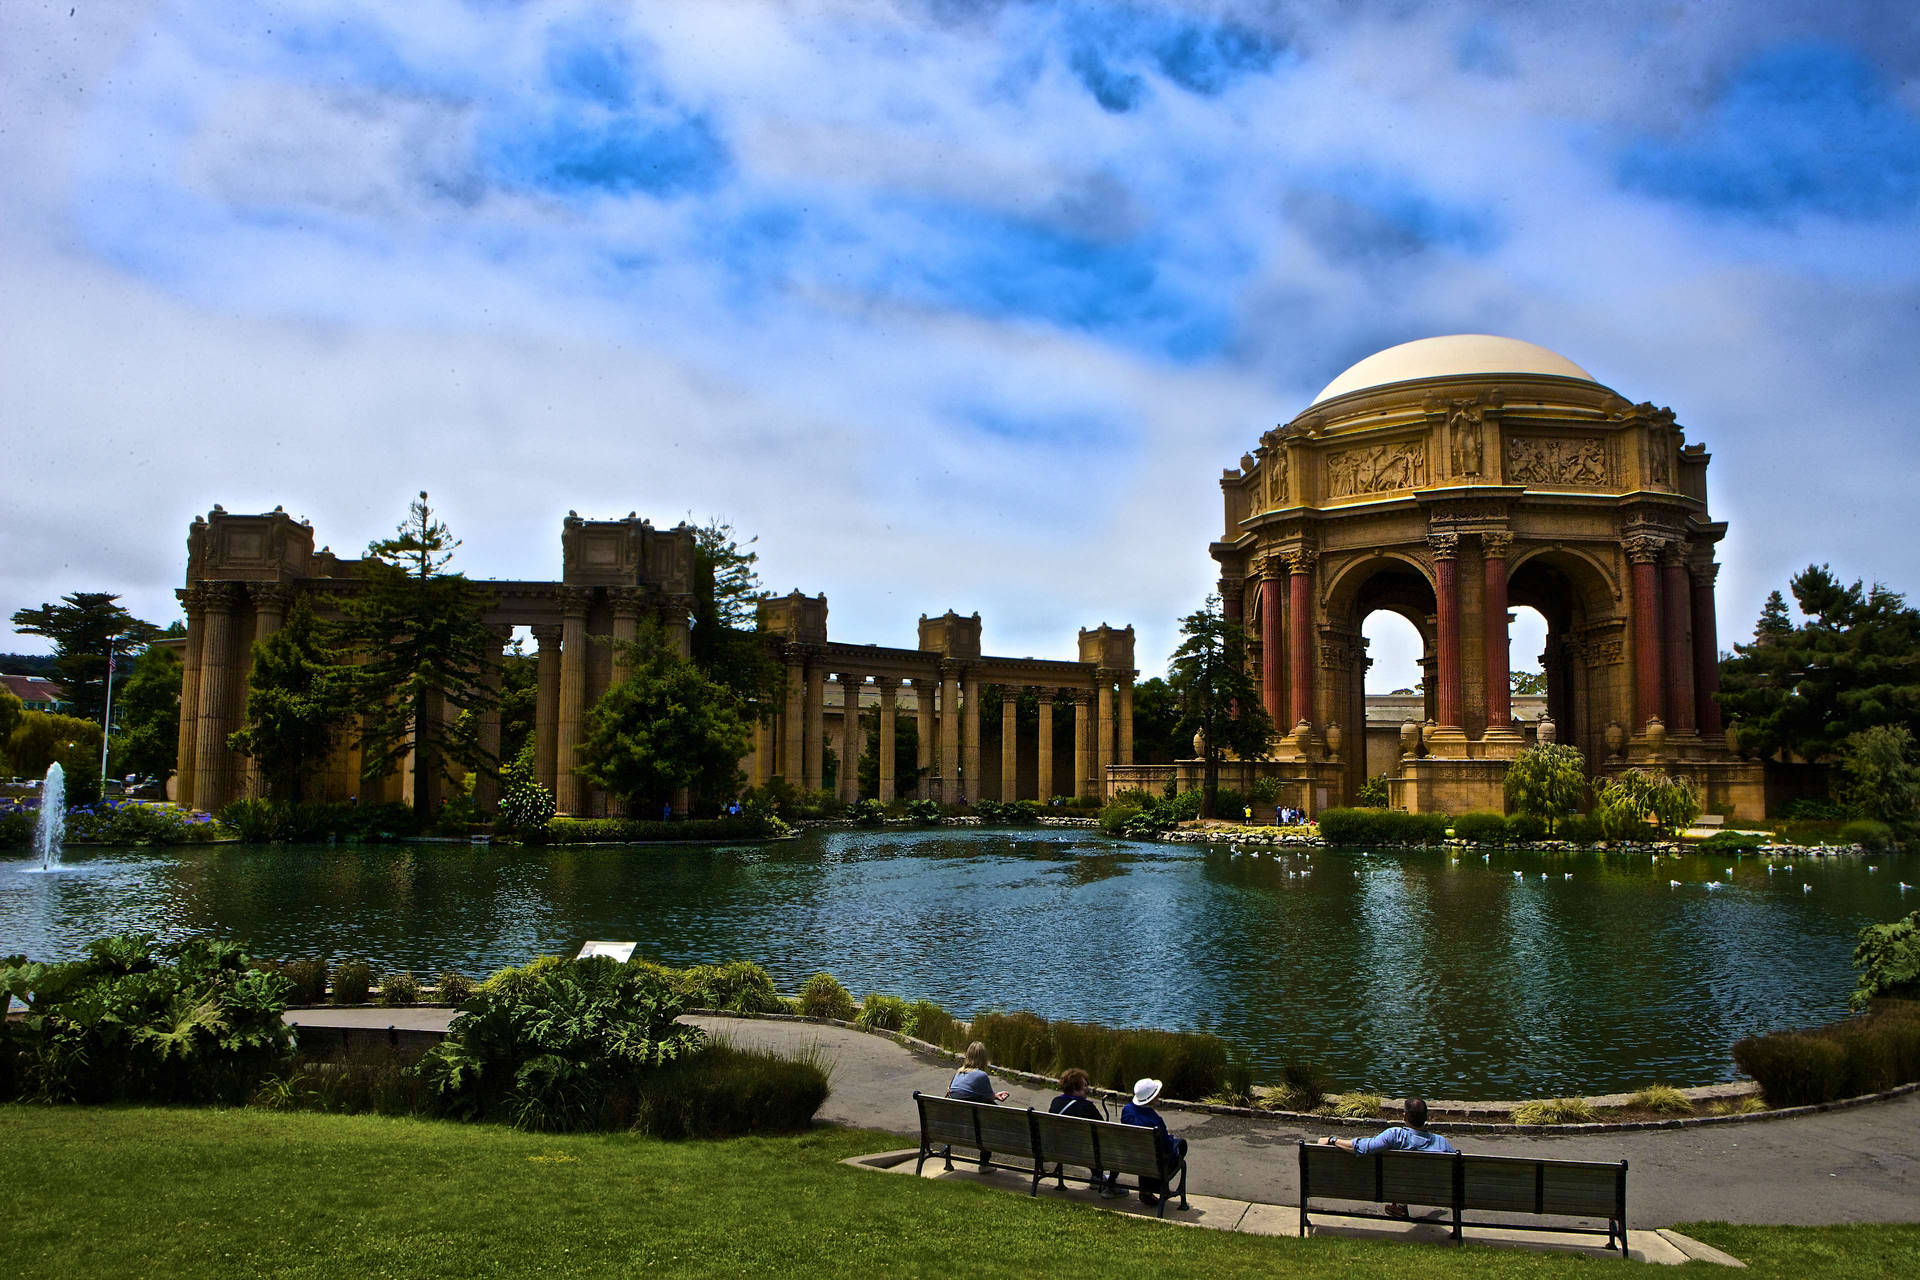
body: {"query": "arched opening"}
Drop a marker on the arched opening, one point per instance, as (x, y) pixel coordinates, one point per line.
(1579, 657)
(1526, 647)
(1384, 612)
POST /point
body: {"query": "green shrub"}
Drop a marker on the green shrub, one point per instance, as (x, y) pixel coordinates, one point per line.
(1373, 795)
(725, 1092)
(1358, 1106)
(454, 988)
(1876, 837)
(734, 987)
(1731, 842)
(195, 1021)
(1580, 828)
(352, 979)
(358, 1078)
(1230, 803)
(1114, 818)
(1350, 826)
(1302, 1086)
(1481, 828)
(869, 813)
(1555, 1111)
(882, 1013)
(559, 1045)
(1813, 809)
(824, 997)
(927, 1021)
(1663, 1099)
(1014, 813)
(1863, 1054)
(398, 989)
(1192, 1066)
(1813, 832)
(1526, 828)
(1236, 1087)
(1888, 957)
(1266, 791)
(309, 979)
(928, 813)
(748, 826)
(254, 821)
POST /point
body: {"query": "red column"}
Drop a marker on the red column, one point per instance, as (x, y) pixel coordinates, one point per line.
(1446, 590)
(1272, 646)
(1706, 651)
(1493, 550)
(1644, 552)
(1300, 630)
(1676, 611)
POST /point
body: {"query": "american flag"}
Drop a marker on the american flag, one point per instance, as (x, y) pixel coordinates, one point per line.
(110, 662)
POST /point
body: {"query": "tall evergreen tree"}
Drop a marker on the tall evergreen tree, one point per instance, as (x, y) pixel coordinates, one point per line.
(727, 643)
(296, 705)
(148, 739)
(665, 727)
(1851, 665)
(420, 646)
(85, 627)
(1216, 694)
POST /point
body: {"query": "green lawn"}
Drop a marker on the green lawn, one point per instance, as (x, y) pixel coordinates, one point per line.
(130, 1192)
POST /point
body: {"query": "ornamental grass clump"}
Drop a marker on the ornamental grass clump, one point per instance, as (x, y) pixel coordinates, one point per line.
(1746, 1105)
(1663, 1099)
(928, 1021)
(453, 987)
(723, 1091)
(399, 989)
(352, 980)
(1302, 1086)
(824, 997)
(309, 979)
(1357, 1106)
(1555, 1111)
(882, 1013)
(1192, 1065)
(735, 987)
(1869, 1053)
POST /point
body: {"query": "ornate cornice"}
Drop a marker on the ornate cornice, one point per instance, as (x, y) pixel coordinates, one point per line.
(573, 600)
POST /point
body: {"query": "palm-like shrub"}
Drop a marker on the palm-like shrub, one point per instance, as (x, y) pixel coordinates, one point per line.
(559, 1045)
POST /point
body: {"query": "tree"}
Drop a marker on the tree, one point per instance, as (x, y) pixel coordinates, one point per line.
(85, 628)
(11, 709)
(1888, 958)
(727, 643)
(1527, 684)
(1879, 779)
(1547, 781)
(296, 705)
(421, 646)
(906, 753)
(40, 738)
(1853, 664)
(519, 701)
(148, 740)
(1156, 723)
(1217, 696)
(665, 727)
(1630, 802)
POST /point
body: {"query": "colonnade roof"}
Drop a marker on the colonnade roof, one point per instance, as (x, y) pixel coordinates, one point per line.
(876, 660)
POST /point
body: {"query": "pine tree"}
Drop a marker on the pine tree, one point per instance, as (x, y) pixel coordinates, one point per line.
(1217, 696)
(665, 727)
(297, 705)
(85, 628)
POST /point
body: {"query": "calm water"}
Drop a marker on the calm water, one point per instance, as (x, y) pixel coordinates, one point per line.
(1401, 971)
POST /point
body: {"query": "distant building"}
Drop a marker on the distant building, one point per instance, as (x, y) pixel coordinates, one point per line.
(37, 693)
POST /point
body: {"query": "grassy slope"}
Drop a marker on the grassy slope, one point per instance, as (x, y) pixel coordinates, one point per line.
(154, 1192)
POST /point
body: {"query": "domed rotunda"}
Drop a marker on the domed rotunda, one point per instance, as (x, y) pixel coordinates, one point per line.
(1448, 480)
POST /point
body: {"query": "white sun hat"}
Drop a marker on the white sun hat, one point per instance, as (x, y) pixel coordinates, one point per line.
(1145, 1091)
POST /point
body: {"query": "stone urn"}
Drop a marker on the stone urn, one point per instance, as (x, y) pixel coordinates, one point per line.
(1410, 738)
(1616, 739)
(1733, 740)
(1548, 731)
(1657, 736)
(1200, 745)
(1334, 738)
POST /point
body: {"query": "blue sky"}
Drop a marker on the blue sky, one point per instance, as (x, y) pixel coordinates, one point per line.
(952, 304)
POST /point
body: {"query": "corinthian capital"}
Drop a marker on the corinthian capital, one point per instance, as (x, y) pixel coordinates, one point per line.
(1301, 559)
(1495, 544)
(1445, 546)
(1642, 549)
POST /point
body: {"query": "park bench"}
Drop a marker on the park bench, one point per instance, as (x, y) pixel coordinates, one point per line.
(1050, 1141)
(1471, 1183)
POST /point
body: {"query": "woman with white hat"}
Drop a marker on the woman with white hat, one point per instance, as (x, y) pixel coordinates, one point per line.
(1173, 1151)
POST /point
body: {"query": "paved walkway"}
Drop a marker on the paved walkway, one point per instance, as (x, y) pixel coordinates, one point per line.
(1857, 1165)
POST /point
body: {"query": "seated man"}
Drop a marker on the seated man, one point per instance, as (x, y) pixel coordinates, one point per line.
(1411, 1136)
(1173, 1150)
(1073, 1101)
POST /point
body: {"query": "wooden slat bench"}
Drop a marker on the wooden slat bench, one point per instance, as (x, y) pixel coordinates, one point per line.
(1464, 1183)
(1050, 1141)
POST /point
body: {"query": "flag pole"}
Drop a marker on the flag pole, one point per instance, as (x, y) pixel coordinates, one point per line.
(106, 720)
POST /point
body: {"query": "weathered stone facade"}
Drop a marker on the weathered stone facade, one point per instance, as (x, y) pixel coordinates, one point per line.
(1448, 481)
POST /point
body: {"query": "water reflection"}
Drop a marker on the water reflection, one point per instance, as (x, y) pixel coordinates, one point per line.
(1395, 970)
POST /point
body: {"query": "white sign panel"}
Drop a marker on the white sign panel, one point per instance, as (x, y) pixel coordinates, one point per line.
(620, 951)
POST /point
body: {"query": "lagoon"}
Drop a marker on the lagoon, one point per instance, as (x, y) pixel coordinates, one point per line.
(1395, 970)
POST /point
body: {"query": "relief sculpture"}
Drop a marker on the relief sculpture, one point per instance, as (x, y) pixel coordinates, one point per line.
(1464, 427)
(1534, 460)
(1277, 478)
(1375, 470)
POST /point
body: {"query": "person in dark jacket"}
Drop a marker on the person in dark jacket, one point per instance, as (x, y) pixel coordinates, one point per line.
(1073, 1101)
(1173, 1150)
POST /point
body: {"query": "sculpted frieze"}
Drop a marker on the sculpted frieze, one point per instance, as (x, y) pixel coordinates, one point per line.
(1580, 460)
(1377, 469)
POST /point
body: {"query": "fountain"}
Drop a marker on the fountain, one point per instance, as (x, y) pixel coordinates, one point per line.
(52, 831)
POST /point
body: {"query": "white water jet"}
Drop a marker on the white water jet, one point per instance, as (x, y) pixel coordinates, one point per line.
(51, 833)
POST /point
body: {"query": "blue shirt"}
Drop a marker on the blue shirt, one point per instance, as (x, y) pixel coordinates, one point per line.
(1147, 1118)
(972, 1086)
(1401, 1138)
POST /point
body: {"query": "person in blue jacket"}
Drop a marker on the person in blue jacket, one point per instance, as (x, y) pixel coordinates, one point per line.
(1411, 1136)
(1139, 1111)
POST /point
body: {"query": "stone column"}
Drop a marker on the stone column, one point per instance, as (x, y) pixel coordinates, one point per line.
(794, 721)
(1045, 781)
(1300, 632)
(570, 789)
(849, 779)
(213, 761)
(889, 688)
(923, 786)
(970, 780)
(1446, 548)
(1009, 744)
(816, 725)
(1082, 715)
(1706, 645)
(626, 626)
(183, 757)
(486, 782)
(1232, 603)
(1644, 553)
(1103, 734)
(1493, 559)
(1676, 611)
(949, 733)
(546, 704)
(1272, 642)
(1126, 717)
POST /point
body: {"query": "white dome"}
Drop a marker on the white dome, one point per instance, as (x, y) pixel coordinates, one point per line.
(1451, 356)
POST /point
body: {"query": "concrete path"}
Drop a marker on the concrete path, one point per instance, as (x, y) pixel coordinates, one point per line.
(1857, 1165)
